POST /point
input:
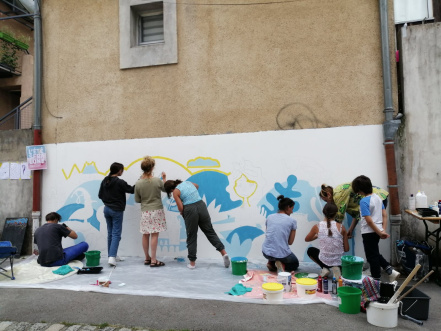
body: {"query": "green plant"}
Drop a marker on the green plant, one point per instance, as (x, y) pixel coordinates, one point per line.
(8, 54)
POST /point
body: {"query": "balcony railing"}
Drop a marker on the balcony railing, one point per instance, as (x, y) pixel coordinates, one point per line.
(14, 116)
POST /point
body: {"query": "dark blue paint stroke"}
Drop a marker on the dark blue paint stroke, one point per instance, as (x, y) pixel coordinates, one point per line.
(245, 233)
(93, 220)
(68, 210)
(213, 185)
(287, 191)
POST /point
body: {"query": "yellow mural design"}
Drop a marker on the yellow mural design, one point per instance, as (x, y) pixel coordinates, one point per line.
(246, 186)
(92, 163)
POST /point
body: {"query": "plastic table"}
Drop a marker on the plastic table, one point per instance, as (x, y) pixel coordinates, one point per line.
(435, 234)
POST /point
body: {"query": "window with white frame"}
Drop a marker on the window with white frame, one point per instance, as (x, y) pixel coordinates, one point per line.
(148, 33)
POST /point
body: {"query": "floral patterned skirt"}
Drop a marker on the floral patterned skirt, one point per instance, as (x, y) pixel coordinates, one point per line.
(153, 221)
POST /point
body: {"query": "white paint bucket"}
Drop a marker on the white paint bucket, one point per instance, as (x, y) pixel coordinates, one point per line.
(272, 292)
(306, 288)
(383, 314)
(284, 278)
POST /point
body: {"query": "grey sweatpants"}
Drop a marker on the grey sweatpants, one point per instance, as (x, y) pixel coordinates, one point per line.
(196, 216)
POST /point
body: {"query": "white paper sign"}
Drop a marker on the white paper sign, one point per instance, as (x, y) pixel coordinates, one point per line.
(4, 170)
(14, 170)
(25, 172)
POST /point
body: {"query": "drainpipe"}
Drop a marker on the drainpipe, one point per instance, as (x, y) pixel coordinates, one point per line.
(36, 198)
(390, 127)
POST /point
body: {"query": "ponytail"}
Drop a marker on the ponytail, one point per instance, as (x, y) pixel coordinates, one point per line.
(114, 169)
(285, 202)
(330, 210)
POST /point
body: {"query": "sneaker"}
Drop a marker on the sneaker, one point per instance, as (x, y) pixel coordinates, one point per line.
(226, 260)
(119, 259)
(112, 261)
(279, 267)
(394, 275)
(189, 266)
(336, 272)
(325, 272)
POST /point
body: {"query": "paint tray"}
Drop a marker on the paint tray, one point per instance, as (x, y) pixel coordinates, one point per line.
(90, 270)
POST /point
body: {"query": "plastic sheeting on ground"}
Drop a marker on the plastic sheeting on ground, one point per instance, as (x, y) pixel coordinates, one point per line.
(210, 280)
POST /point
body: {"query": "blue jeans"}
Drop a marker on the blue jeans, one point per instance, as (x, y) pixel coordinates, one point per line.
(69, 254)
(114, 221)
(291, 262)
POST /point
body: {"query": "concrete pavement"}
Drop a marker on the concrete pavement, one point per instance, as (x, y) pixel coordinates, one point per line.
(70, 310)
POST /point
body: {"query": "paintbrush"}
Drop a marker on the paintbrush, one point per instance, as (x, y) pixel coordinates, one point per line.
(106, 284)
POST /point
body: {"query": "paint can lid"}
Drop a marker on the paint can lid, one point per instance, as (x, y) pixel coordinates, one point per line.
(272, 286)
(306, 281)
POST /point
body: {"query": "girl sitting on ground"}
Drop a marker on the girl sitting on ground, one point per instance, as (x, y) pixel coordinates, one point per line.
(333, 242)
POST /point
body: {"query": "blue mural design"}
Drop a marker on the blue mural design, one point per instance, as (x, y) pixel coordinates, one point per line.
(213, 185)
(82, 204)
(300, 191)
(245, 233)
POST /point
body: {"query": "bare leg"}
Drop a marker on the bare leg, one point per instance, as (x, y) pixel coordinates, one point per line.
(153, 246)
(145, 245)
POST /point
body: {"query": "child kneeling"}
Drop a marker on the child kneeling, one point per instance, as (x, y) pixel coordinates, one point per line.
(333, 242)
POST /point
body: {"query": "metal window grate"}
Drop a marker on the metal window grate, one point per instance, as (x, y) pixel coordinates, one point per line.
(152, 27)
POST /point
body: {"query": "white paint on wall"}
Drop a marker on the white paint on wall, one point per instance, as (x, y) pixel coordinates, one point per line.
(239, 176)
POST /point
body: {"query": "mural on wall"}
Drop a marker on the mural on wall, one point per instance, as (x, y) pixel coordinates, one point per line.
(239, 185)
(221, 194)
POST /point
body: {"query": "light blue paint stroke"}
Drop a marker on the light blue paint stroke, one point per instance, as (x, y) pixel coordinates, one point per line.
(229, 219)
(306, 258)
(201, 163)
(131, 200)
(80, 238)
(213, 185)
(170, 204)
(89, 169)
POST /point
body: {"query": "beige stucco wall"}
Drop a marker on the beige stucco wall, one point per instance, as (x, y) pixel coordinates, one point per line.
(247, 68)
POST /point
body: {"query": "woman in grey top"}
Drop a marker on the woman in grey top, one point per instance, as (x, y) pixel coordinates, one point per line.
(148, 193)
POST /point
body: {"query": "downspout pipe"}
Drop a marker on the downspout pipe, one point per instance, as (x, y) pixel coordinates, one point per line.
(390, 127)
(36, 198)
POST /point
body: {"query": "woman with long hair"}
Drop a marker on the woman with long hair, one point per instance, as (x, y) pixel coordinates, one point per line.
(195, 214)
(113, 194)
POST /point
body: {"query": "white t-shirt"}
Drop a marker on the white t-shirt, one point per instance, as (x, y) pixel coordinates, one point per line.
(372, 206)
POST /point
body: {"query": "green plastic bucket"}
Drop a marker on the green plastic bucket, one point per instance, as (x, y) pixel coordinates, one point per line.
(92, 258)
(239, 265)
(352, 267)
(349, 299)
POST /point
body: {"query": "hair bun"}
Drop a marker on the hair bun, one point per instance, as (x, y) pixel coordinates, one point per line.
(280, 197)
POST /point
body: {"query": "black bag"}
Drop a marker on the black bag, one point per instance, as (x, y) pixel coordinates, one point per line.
(409, 251)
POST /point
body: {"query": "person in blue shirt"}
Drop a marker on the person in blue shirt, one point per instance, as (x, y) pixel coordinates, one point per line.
(373, 227)
(280, 234)
(195, 214)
